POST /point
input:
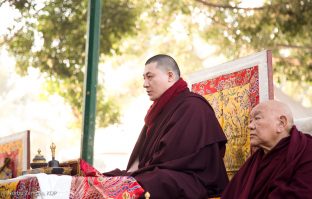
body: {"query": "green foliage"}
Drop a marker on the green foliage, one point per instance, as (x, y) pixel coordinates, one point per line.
(137, 29)
(52, 38)
(285, 27)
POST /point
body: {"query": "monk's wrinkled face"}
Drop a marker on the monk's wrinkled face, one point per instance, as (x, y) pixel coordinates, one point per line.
(156, 80)
(263, 127)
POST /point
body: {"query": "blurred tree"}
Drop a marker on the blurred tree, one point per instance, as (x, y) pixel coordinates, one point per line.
(239, 27)
(51, 35)
(284, 26)
(52, 39)
(237, 30)
(161, 28)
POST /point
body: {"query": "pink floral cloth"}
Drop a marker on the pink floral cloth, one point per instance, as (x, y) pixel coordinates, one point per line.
(93, 184)
(105, 187)
(27, 189)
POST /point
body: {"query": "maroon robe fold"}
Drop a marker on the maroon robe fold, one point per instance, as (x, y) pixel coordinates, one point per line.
(284, 172)
(182, 156)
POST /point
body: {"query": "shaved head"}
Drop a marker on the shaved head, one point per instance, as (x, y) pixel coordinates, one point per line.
(165, 63)
(279, 109)
(270, 121)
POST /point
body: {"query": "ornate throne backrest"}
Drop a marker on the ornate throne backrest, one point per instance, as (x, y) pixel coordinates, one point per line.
(233, 89)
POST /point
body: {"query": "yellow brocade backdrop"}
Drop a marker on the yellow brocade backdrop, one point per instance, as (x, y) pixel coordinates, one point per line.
(232, 110)
(232, 96)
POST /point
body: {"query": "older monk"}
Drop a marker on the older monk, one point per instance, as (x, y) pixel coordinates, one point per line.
(282, 165)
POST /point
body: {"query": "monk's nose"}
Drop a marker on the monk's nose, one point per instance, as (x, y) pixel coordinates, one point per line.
(251, 126)
(145, 84)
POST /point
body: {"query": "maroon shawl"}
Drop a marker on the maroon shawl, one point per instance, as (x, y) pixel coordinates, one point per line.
(159, 104)
(284, 172)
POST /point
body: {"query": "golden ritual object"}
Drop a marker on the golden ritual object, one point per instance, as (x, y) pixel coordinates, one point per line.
(39, 164)
(38, 161)
(53, 162)
(53, 147)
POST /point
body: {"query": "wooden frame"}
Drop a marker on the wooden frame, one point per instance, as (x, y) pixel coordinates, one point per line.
(233, 89)
(17, 148)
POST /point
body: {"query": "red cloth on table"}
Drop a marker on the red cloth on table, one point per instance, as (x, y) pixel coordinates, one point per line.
(93, 184)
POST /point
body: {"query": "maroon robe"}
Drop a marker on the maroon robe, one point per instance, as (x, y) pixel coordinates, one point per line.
(284, 172)
(182, 155)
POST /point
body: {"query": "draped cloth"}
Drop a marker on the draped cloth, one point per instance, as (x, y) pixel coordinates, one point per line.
(181, 155)
(87, 170)
(117, 187)
(159, 104)
(27, 188)
(284, 172)
(22, 187)
(94, 185)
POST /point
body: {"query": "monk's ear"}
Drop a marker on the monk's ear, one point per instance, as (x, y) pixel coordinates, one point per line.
(283, 122)
(171, 76)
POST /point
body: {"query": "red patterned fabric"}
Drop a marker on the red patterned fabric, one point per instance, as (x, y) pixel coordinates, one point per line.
(27, 188)
(87, 170)
(118, 187)
(243, 77)
(93, 184)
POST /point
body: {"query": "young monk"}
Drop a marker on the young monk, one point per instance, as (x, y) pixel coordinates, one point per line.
(179, 153)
